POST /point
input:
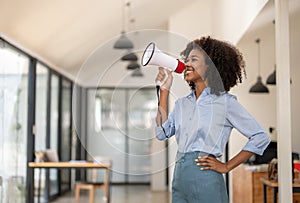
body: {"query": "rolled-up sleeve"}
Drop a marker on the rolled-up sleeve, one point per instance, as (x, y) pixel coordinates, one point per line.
(167, 129)
(239, 117)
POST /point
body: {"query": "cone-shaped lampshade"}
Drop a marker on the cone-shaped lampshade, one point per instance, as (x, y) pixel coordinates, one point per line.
(259, 87)
(137, 73)
(133, 65)
(130, 57)
(271, 80)
(123, 42)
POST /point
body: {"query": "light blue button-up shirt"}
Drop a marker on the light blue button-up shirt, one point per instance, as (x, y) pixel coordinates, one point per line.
(206, 123)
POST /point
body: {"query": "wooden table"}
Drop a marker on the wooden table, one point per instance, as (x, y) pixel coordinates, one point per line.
(274, 186)
(67, 165)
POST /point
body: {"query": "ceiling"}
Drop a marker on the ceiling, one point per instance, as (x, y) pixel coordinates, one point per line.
(267, 16)
(64, 33)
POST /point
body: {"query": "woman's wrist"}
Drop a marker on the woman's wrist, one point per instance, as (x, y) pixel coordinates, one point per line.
(227, 167)
(164, 90)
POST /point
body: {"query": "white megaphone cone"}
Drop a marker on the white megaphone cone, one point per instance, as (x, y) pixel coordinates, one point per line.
(153, 56)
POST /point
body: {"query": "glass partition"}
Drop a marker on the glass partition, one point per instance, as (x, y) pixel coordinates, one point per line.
(53, 174)
(51, 128)
(41, 119)
(119, 125)
(13, 122)
(106, 127)
(142, 105)
(65, 135)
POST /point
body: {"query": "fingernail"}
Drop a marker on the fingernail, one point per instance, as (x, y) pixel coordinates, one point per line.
(196, 160)
(199, 157)
(201, 169)
(198, 164)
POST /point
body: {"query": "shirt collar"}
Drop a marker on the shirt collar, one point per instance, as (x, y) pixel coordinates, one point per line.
(205, 92)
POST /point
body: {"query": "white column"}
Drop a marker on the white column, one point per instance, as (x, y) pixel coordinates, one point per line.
(283, 101)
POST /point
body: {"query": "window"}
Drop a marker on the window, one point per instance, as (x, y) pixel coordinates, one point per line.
(65, 135)
(13, 121)
(120, 125)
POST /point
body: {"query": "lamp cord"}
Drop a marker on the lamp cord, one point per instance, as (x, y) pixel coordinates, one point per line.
(258, 54)
(158, 103)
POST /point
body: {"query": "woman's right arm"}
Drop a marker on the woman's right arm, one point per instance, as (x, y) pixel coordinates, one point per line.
(162, 113)
(165, 78)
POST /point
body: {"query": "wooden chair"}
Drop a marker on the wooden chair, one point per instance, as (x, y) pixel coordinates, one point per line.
(93, 185)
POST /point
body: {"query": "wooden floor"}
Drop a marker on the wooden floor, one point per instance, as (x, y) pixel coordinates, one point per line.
(122, 194)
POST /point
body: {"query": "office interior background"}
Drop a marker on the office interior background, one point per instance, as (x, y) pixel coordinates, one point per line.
(60, 91)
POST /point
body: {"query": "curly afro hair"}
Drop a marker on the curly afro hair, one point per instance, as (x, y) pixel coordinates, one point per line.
(224, 61)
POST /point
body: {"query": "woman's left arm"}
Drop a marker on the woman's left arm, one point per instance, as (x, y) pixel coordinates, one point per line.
(247, 125)
(211, 163)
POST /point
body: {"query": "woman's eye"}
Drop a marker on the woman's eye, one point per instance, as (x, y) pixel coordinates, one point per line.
(190, 60)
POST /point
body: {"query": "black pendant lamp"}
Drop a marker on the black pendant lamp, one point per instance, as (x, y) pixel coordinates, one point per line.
(123, 42)
(271, 80)
(137, 72)
(133, 65)
(258, 87)
(130, 57)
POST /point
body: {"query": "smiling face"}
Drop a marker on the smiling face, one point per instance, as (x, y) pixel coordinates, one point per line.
(195, 67)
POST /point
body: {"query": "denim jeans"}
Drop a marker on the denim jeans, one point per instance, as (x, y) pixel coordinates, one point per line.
(192, 185)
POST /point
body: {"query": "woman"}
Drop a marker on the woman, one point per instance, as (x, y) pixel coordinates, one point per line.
(203, 121)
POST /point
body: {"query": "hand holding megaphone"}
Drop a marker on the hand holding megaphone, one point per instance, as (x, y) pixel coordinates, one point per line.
(164, 78)
(153, 56)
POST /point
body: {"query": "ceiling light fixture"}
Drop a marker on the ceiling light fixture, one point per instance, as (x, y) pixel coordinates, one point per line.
(123, 42)
(133, 65)
(137, 72)
(130, 57)
(271, 80)
(258, 87)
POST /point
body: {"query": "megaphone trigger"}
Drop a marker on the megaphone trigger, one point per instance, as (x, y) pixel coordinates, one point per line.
(158, 83)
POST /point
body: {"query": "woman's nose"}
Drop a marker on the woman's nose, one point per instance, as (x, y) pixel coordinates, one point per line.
(187, 64)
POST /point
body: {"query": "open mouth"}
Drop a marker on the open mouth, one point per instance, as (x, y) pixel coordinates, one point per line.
(188, 71)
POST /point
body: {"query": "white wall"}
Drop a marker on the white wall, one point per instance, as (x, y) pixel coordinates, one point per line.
(227, 19)
(263, 107)
(232, 18)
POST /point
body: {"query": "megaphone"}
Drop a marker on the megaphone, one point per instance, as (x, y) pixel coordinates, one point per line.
(153, 56)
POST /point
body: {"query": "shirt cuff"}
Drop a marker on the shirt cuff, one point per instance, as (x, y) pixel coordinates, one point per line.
(253, 148)
(160, 135)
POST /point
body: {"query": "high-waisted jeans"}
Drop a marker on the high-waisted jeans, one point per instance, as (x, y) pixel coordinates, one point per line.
(192, 185)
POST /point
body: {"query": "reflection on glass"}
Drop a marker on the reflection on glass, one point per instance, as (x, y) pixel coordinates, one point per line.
(66, 133)
(53, 177)
(142, 105)
(98, 114)
(13, 122)
(40, 116)
(109, 141)
(120, 125)
(112, 108)
(41, 107)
